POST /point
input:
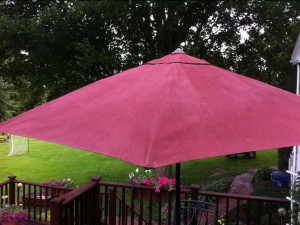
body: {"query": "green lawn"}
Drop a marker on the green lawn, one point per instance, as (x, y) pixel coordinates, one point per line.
(47, 161)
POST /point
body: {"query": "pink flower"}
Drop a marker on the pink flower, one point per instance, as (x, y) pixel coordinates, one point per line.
(13, 213)
(163, 181)
(152, 181)
(146, 181)
(172, 181)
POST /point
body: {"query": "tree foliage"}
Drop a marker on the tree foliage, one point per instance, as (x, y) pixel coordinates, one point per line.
(49, 48)
(55, 47)
(7, 96)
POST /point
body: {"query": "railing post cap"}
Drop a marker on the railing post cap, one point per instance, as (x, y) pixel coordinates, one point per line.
(195, 186)
(57, 200)
(12, 177)
(96, 178)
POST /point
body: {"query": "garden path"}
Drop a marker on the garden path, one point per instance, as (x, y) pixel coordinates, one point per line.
(242, 184)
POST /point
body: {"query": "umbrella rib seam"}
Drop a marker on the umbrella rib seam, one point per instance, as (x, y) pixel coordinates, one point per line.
(151, 64)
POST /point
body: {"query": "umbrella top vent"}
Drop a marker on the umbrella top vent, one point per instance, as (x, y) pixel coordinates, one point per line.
(178, 51)
(296, 52)
(178, 56)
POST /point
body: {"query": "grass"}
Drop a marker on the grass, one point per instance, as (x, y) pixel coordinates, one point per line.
(47, 161)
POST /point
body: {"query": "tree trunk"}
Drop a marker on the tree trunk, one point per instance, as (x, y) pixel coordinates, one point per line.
(164, 171)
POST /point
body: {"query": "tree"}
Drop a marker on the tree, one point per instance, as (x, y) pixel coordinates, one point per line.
(64, 45)
(6, 100)
(272, 28)
(49, 48)
(271, 42)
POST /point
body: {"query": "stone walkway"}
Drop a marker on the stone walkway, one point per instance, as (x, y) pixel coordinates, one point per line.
(242, 184)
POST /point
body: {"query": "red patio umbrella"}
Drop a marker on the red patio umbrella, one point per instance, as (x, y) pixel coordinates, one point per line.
(173, 109)
(169, 110)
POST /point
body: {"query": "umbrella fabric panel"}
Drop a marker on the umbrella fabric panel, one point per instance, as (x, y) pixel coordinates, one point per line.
(170, 110)
(178, 58)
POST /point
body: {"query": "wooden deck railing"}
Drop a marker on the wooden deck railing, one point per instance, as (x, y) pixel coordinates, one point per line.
(4, 198)
(78, 207)
(34, 197)
(256, 210)
(106, 203)
(125, 204)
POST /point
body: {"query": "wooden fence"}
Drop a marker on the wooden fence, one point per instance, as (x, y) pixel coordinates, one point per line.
(126, 204)
(106, 203)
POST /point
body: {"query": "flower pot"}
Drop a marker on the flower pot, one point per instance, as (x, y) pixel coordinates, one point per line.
(9, 223)
(13, 223)
(147, 194)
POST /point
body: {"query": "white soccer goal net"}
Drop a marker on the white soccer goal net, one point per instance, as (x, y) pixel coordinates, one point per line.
(18, 145)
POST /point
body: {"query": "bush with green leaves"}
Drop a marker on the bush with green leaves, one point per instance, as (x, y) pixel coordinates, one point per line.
(263, 174)
(218, 186)
(295, 193)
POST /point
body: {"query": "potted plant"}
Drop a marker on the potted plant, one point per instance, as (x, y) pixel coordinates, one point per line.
(295, 193)
(47, 191)
(12, 215)
(60, 183)
(149, 179)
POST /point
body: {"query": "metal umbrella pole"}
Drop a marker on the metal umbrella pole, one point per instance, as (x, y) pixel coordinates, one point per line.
(177, 196)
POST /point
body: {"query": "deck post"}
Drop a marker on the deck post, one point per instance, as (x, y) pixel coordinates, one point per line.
(57, 211)
(12, 190)
(194, 191)
(194, 196)
(112, 206)
(94, 202)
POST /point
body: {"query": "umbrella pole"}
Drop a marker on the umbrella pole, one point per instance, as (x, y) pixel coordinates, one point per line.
(298, 77)
(177, 201)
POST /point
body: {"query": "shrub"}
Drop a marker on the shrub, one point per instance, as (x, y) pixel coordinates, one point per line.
(263, 174)
(295, 192)
(218, 186)
(12, 214)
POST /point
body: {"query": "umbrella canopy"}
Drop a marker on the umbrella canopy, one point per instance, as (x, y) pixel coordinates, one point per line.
(169, 110)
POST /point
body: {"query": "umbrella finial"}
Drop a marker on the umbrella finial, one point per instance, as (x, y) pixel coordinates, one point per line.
(296, 52)
(178, 51)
